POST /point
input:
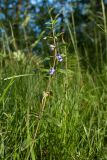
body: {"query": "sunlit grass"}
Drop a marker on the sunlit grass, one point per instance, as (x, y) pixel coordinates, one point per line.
(73, 124)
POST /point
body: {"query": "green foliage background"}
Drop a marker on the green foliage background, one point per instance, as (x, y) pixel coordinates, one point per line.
(58, 117)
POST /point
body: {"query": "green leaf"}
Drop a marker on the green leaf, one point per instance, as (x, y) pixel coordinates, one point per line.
(65, 71)
(38, 40)
(26, 21)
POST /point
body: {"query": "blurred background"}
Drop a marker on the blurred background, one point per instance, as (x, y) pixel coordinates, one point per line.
(23, 22)
(33, 15)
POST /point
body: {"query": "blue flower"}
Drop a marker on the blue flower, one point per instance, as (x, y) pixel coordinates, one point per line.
(59, 57)
(52, 70)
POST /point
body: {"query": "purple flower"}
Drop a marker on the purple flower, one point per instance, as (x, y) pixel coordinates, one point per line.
(59, 57)
(52, 70)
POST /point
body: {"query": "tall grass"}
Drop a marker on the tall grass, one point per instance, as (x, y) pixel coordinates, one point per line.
(66, 122)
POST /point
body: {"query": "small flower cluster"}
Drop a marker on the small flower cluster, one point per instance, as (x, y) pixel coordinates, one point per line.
(60, 59)
(52, 70)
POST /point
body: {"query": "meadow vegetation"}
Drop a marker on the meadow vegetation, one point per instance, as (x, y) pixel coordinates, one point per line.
(58, 116)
